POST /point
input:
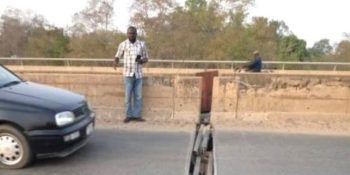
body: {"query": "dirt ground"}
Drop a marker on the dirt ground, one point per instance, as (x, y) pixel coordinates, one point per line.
(149, 125)
(304, 127)
(288, 126)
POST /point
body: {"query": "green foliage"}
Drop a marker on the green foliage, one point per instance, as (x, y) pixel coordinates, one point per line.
(196, 5)
(96, 16)
(266, 36)
(342, 52)
(202, 29)
(292, 49)
(320, 49)
(13, 36)
(50, 43)
(99, 44)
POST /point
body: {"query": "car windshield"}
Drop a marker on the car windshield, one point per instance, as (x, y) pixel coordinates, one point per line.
(7, 78)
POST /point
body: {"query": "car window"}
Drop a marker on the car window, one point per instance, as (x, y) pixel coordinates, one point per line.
(7, 77)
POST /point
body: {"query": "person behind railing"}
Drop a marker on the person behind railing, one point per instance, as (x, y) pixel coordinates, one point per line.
(255, 64)
(135, 54)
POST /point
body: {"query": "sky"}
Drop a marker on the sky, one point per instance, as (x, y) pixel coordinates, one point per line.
(311, 20)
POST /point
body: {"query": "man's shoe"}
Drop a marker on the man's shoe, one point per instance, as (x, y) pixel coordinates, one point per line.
(139, 119)
(127, 120)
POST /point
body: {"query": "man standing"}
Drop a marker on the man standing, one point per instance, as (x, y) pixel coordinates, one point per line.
(255, 64)
(134, 53)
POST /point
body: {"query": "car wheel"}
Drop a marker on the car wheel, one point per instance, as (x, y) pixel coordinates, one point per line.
(14, 148)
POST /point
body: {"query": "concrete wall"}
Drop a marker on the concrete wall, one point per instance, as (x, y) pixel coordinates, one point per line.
(282, 98)
(287, 98)
(166, 98)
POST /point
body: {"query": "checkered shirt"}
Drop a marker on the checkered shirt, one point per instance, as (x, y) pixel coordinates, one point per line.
(129, 51)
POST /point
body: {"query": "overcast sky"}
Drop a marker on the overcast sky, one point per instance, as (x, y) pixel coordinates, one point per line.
(311, 20)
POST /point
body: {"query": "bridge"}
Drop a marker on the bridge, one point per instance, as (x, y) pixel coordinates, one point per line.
(221, 121)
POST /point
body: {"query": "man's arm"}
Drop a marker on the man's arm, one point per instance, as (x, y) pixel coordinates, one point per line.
(119, 54)
(115, 63)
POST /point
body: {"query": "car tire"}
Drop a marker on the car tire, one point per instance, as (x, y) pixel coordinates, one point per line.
(15, 151)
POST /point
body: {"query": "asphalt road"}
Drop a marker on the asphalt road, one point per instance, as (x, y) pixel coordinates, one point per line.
(129, 152)
(121, 152)
(249, 153)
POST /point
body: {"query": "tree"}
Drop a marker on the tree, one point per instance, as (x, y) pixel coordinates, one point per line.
(14, 31)
(153, 20)
(44, 42)
(195, 31)
(97, 16)
(100, 44)
(266, 36)
(321, 48)
(292, 49)
(24, 34)
(150, 14)
(342, 52)
(195, 5)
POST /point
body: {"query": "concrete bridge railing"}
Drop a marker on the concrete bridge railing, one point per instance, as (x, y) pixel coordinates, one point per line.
(166, 98)
(282, 100)
(276, 99)
(179, 63)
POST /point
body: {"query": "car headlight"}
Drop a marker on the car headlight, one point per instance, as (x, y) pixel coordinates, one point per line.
(88, 105)
(92, 113)
(64, 118)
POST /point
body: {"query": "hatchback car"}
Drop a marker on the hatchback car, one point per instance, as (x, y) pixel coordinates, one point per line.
(39, 121)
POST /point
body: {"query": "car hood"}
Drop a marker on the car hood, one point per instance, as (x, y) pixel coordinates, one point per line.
(42, 96)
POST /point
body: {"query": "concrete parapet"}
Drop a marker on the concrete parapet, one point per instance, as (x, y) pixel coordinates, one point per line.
(277, 99)
(166, 98)
(288, 99)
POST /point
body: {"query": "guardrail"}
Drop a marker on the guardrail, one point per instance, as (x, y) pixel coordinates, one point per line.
(175, 63)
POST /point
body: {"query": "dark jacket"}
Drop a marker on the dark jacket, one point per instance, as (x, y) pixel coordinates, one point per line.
(254, 65)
